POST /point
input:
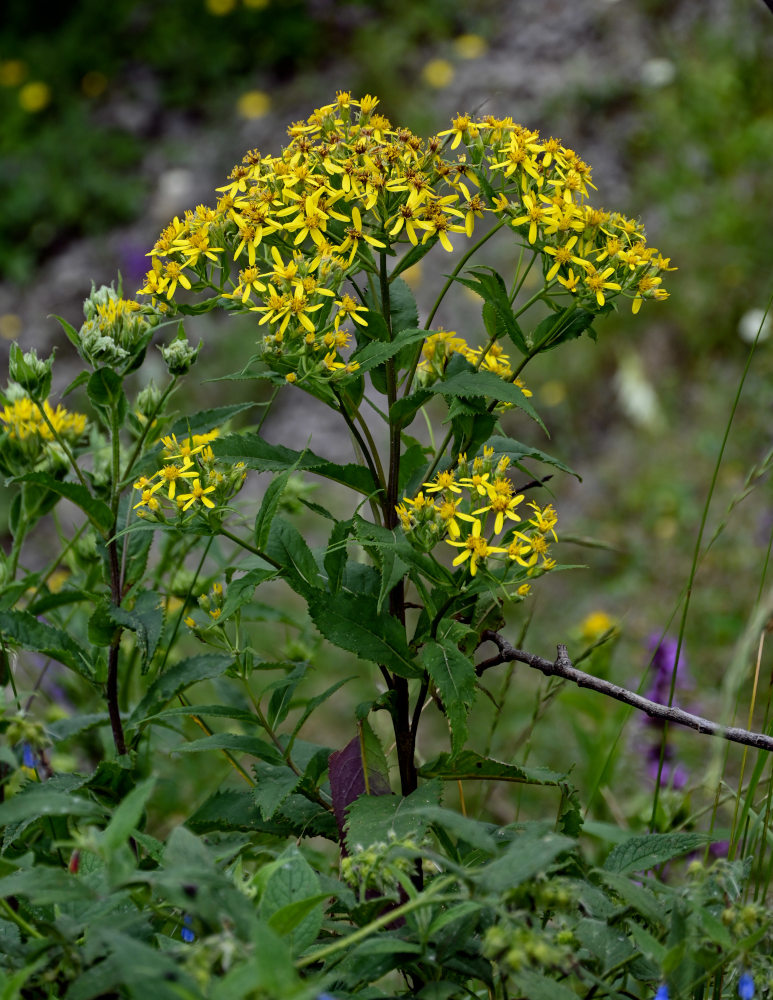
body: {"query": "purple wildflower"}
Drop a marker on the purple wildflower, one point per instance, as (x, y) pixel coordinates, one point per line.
(663, 650)
(746, 986)
(27, 756)
(662, 993)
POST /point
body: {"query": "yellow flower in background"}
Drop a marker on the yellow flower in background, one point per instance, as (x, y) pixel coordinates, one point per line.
(34, 96)
(470, 46)
(219, 8)
(253, 104)
(12, 72)
(438, 73)
(595, 625)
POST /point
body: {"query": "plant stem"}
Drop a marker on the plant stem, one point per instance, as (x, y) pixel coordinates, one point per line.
(430, 897)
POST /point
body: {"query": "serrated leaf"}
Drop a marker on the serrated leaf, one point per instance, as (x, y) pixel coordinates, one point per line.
(413, 256)
(127, 815)
(146, 620)
(270, 504)
(274, 785)
(44, 886)
(376, 352)
(24, 629)
(38, 800)
(204, 421)
(336, 554)
(535, 986)
(453, 674)
(373, 819)
(606, 943)
(353, 623)
(292, 881)
(527, 855)
(240, 591)
(469, 765)
(235, 743)
(264, 457)
(490, 286)
(176, 679)
(95, 510)
(359, 769)
(482, 383)
(231, 809)
(287, 546)
(406, 408)
(569, 324)
(642, 853)
(516, 452)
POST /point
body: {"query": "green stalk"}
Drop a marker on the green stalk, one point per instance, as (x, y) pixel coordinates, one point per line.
(430, 897)
(696, 554)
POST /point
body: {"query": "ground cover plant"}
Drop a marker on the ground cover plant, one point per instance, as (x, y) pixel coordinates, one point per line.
(181, 602)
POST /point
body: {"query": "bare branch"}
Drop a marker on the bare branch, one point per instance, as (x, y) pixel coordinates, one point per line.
(562, 667)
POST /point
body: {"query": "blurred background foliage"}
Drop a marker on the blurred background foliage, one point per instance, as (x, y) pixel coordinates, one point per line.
(671, 101)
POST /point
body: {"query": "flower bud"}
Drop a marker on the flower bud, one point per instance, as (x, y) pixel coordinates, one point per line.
(29, 371)
(179, 355)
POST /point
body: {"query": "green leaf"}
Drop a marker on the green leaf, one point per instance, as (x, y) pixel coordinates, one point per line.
(286, 545)
(95, 510)
(485, 384)
(516, 452)
(528, 854)
(268, 508)
(636, 896)
(38, 800)
(376, 352)
(403, 312)
(608, 944)
(203, 421)
(453, 674)
(373, 819)
(176, 679)
(239, 592)
(569, 324)
(354, 624)
(472, 766)
(25, 630)
(45, 886)
(535, 986)
(231, 809)
(293, 881)
(406, 408)
(490, 286)
(641, 853)
(235, 743)
(336, 554)
(275, 784)
(127, 816)
(105, 390)
(264, 457)
(72, 334)
(413, 256)
(146, 620)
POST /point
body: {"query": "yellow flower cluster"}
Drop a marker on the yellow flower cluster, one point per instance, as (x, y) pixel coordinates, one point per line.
(468, 506)
(22, 419)
(190, 466)
(350, 183)
(438, 348)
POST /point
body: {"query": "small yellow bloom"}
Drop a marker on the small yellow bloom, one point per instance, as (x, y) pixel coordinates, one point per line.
(198, 492)
(438, 73)
(34, 96)
(253, 104)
